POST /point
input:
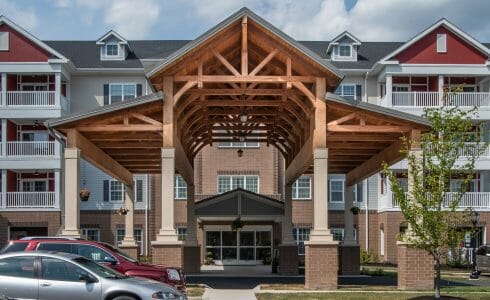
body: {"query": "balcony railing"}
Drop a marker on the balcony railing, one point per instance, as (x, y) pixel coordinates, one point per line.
(431, 99)
(469, 149)
(30, 200)
(19, 148)
(31, 98)
(469, 199)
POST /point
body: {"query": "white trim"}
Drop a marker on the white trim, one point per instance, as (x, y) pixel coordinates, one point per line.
(441, 43)
(244, 181)
(340, 36)
(122, 90)
(5, 20)
(101, 40)
(330, 180)
(448, 25)
(295, 195)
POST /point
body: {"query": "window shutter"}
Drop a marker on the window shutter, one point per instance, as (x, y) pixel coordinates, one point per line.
(106, 191)
(358, 92)
(139, 89)
(359, 192)
(106, 94)
(139, 190)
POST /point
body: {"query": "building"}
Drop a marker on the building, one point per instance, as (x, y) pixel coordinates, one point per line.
(74, 80)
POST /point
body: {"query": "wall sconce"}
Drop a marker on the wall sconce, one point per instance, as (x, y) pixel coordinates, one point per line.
(239, 152)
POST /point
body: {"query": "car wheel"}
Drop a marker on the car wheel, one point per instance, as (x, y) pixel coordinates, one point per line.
(124, 297)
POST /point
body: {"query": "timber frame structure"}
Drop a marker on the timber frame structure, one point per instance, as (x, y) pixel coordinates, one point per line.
(243, 80)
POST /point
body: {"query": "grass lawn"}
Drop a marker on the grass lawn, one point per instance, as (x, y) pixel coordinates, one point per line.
(369, 296)
(195, 290)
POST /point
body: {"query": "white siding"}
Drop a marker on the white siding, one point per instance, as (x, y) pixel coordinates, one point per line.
(373, 191)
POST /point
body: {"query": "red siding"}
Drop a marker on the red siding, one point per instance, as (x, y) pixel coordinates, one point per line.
(11, 181)
(433, 83)
(424, 51)
(21, 49)
(11, 82)
(11, 131)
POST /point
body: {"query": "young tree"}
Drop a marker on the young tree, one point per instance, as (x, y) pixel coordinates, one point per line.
(431, 212)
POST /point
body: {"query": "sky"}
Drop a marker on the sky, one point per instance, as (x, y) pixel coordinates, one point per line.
(369, 20)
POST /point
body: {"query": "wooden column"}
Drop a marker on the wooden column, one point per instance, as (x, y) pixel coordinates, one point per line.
(288, 251)
(72, 193)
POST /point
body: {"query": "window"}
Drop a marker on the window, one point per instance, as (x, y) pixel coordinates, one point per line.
(120, 92)
(34, 136)
(60, 247)
(336, 190)
(19, 266)
(138, 191)
(457, 184)
(301, 235)
(238, 145)
(383, 183)
(112, 50)
(4, 41)
(60, 270)
(344, 50)
(94, 253)
(137, 234)
(441, 43)
(337, 233)
(228, 183)
(302, 188)
(180, 188)
(116, 191)
(358, 193)
(91, 234)
(181, 233)
(347, 91)
(30, 185)
(381, 242)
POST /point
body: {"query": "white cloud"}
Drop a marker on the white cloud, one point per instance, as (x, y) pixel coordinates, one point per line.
(62, 3)
(133, 19)
(24, 16)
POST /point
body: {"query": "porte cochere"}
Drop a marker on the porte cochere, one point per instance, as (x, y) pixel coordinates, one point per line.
(243, 80)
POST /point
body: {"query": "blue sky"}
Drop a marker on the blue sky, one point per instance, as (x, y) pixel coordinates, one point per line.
(369, 20)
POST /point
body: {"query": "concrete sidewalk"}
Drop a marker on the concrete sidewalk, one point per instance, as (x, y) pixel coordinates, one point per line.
(217, 294)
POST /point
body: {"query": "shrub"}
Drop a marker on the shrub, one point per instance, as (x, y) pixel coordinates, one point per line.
(369, 256)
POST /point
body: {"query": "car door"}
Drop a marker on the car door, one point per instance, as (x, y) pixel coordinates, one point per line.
(60, 279)
(483, 259)
(18, 278)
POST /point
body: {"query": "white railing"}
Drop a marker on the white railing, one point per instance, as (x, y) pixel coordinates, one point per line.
(469, 149)
(31, 98)
(431, 99)
(30, 200)
(415, 99)
(19, 148)
(469, 199)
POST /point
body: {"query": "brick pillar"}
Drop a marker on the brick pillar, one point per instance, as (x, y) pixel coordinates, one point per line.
(288, 260)
(131, 250)
(350, 259)
(167, 254)
(321, 265)
(415, 268)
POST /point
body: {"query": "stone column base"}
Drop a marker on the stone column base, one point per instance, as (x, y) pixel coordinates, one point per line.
(288, 260)
(76, 233)
(415, 268)
(131, 250)
(167, 254)
(321, 265)
(350, 259)
(192, 259)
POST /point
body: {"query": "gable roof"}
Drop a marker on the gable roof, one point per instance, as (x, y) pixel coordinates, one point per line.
(335, 40)
(32, 38)
(101, 40)
(448, 25)
(260, 21)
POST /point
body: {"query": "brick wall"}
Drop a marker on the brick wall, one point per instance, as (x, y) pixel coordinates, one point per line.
(49, 220)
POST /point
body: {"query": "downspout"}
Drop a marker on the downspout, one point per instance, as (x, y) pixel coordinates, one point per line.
(148, 194)
(367, 215)
(366, 86)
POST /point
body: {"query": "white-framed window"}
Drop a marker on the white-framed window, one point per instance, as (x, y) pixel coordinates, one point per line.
(400, 88)
(441, 43)
(230, 182)
(121, 92)
(112, 49)
(347, 91)
(345, 50)
(91, 234)
(358, 194)
(39, 86)
(34, 185)
(181, 233)
(456, 184)
(116, 191)
(180, 188)
(300, 235)
(302, 188)
(138, 237)
(337, 233)
(4, 41)
(381, 242)
(34, 136)
(336, 190)
(238, 145)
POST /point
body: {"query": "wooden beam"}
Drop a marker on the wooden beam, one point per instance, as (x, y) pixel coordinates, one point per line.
(121, 128)
(226, 63)
(182, 163)
(367, 128)
(258, 78)
(244, 53)
(168, 112)
(389, 155)
(320, 131)
(264, 62)
(288, 72)
(98, 158)
(349, 137)
(300, 86)
(343, 119)
(300, 163)
(145, 119)
(183, 89)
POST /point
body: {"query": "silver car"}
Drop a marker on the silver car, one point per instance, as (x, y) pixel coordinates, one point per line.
(53, 275)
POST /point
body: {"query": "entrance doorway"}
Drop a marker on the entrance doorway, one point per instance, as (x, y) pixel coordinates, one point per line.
(250, 245)
(16, 233)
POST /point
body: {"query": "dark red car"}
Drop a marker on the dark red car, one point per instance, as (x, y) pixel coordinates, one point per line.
(102, 253)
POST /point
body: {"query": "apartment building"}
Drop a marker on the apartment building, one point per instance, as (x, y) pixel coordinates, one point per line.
(42, 80)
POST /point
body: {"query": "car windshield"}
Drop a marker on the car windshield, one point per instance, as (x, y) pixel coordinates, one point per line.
(13, 247)
(124, 255)
(100, 270)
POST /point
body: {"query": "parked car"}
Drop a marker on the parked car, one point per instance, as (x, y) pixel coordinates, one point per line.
(102, 253)
(53, 275)
(483, 259)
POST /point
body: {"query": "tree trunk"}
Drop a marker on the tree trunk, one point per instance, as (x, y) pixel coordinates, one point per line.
(438, 279)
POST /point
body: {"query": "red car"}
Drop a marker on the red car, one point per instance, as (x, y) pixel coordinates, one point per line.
(102, 253)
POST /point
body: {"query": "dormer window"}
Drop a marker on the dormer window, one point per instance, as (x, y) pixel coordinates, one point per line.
(112, 50)
(345, 50)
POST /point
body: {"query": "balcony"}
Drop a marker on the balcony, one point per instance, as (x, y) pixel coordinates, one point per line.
(37, 149)
(31, 98)
(477, 200)
(23, 200)
(431, 99)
